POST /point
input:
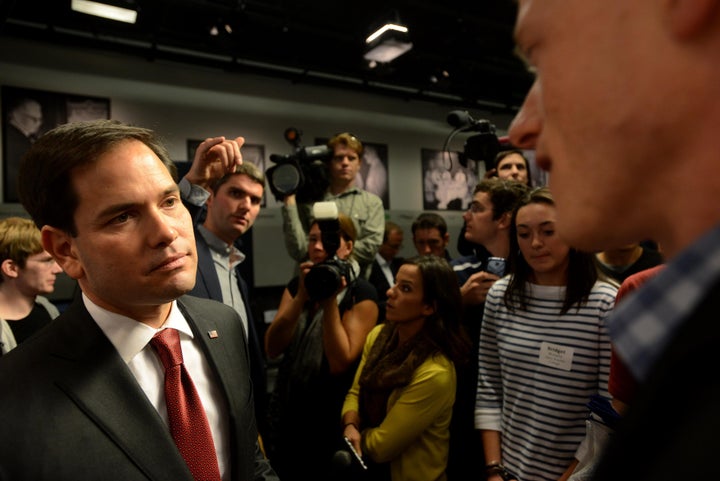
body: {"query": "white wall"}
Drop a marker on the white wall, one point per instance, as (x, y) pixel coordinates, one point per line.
(185, 102)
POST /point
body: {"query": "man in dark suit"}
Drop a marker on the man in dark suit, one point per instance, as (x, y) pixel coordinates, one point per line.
(87, 399)
(224, 207)
(386, 264)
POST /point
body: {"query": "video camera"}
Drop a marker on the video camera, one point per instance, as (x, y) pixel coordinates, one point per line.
(304, 172)
(324, 279)
(483, 146)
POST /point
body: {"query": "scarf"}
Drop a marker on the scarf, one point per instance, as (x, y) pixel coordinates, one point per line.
(389, 366)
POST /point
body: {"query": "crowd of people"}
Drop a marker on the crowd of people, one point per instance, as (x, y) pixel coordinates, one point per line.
(414, 361)
(156, 370)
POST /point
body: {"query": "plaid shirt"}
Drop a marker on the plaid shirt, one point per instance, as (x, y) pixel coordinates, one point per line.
(643, 324)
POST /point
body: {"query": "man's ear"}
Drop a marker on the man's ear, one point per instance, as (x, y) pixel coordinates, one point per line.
(446, 238)
(687, 18)
(505, 220)
(61, 246)
(9, 268)
(210, 199)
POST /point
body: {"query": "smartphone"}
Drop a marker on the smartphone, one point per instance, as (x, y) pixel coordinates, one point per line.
(355, 453)
(496, 265)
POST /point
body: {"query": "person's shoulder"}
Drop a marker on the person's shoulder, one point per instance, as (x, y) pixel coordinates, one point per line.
(204, 307)
(373, 334)
(439, 370)
(634, 281)
(362, 289)
(464, 262)
(640, 277)
(369, 196)
(605, 287)
(48, 306)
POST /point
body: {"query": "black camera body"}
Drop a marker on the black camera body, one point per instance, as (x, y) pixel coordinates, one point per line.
(304, 172)
(483, 146)
(325, 278)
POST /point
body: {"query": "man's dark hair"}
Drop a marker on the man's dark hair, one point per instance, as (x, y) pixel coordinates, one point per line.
(390, 227)
(246, 168)
(504, 153)
(504, 194)
(44, 185)
(430, 220)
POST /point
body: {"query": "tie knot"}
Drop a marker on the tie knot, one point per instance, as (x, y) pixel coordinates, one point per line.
(167, 344)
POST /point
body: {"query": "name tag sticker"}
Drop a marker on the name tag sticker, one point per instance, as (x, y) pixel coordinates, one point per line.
(555, 355)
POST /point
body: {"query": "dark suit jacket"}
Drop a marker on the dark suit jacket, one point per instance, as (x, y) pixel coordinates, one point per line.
(672, 427)
(377, 279)
(207, 286)
(72, 410)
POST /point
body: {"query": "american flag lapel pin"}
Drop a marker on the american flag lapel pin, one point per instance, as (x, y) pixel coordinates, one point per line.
(213, 334)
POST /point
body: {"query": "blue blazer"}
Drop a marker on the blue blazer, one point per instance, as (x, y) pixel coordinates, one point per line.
(71, 408)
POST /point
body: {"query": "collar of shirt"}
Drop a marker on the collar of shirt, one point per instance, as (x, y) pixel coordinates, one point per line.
(351, 190)
(219, 246)
(128, 335)
(381, 260)
(643, 323)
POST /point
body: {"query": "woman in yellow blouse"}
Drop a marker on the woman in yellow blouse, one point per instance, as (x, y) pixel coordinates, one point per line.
(397, 412)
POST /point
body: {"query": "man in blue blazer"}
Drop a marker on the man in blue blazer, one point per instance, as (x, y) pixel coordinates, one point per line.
(224, 200)
(84, 399)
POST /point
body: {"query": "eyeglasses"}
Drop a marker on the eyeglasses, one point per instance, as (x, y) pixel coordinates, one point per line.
(475, 208)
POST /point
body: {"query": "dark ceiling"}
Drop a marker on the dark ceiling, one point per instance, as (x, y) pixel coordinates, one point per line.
(462, 51)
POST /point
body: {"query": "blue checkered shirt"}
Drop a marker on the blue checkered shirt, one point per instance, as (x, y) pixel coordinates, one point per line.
(643, 324)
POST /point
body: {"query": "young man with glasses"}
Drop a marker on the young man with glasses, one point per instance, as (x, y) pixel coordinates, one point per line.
(487, 223)
(27, 273)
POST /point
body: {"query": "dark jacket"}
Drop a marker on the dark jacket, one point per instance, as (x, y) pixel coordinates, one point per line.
(75, 411)
(670, 431)
(207, 286)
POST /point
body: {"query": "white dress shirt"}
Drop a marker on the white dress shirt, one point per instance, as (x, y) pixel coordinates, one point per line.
(132, 341)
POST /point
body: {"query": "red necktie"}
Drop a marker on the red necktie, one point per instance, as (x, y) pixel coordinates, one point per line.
(188, 423)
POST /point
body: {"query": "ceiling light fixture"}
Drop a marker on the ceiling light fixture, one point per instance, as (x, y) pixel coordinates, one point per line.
(387, 43)
(104, 10)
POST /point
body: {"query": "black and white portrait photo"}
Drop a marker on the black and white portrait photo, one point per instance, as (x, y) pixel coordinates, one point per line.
(27, 114)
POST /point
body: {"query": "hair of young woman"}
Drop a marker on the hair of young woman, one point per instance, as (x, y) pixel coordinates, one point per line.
(441, 290)
(582, 270)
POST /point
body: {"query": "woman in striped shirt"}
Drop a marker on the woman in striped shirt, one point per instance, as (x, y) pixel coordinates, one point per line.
(544, 350)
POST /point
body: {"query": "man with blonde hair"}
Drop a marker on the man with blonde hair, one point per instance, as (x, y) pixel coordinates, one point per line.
(27, 273)
(364, 208)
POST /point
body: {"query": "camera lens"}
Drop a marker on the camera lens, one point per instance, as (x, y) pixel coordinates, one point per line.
(322, 281)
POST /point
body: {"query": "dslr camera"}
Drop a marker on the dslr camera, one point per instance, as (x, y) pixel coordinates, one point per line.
(324, 279)
(304, 172)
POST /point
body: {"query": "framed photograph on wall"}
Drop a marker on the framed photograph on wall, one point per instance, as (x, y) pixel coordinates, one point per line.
(447, 185)
(28, 113)
(253, 153)
(373, 175)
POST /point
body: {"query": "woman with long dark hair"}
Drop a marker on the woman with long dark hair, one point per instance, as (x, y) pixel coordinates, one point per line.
(544, 349)
(398, 410)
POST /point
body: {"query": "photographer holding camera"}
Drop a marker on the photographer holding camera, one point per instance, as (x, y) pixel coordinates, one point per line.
(364, 208)
(320, 336)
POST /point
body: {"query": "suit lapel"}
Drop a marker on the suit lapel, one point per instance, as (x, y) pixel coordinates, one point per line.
(206, 273)
(92, 374)
(218, 341)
